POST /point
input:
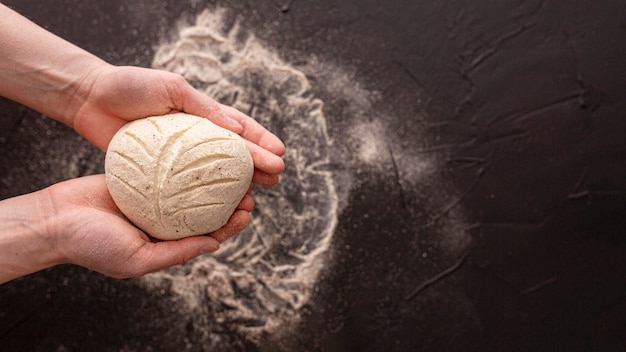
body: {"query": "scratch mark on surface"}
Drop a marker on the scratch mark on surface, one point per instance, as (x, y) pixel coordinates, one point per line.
(521, 225)
(437, 277)
(473, 161)
(442, 147)
(539, 286)
(485, 55)
(420, 87)
(479, 173)
(576, 193)
(523, 116)
(509, 136)
(398, 180)
(411, 75)
(472, 227)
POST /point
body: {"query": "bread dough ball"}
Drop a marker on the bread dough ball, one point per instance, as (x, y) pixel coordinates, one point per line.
(177, 175)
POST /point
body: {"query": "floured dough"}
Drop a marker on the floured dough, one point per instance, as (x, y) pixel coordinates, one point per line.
(177, 175)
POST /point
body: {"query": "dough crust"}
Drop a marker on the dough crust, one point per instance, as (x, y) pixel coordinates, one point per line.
(177, 175)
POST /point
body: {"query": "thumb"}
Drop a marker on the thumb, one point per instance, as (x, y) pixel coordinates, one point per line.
(155, 256)
(200, 104)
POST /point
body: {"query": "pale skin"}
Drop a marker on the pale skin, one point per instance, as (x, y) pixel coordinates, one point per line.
(76, 221)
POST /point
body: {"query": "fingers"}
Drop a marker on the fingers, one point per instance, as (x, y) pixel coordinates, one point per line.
(155, 256)
(264, 179)
(237, 222)
(247, 203)
(255, 132)
(186, 98)
(199, 104)
(264, 160)
(265, 148)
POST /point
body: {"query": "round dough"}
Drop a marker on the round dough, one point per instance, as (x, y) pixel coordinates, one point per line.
(177, 175)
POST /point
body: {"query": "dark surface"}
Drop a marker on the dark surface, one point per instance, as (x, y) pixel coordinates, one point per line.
(521, 103)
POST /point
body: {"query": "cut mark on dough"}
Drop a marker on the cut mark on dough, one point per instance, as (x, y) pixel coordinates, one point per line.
(131, 162)
(202, 163)
(142, 145)
(206, 141)
(197, 188)
(156, 125)
(130, 187)
(194, 207)
(165, 161)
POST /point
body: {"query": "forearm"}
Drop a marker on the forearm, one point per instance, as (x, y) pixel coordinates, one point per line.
(25, 245)
(41, 70)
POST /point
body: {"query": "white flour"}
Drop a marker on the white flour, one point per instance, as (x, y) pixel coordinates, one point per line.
(257, 283)
(259, 280)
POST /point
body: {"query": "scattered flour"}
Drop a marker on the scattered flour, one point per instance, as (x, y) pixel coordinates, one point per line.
(259, 280)
(372, 142)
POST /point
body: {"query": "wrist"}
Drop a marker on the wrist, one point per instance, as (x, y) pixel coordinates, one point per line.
(42, 70)
(26, 242)
(83, 81)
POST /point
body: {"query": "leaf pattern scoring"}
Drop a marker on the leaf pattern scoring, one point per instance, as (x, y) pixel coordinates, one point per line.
(177, 175)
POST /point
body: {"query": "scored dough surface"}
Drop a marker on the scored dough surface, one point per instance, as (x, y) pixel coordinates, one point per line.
(177, 175)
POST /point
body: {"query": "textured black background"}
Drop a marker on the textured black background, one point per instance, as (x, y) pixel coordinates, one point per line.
(525, 101)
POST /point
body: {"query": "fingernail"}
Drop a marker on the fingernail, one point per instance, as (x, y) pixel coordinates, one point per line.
(232, 124)
(211, 247)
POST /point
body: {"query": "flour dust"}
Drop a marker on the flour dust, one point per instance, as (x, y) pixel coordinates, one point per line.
(259, 280)
(372, 148)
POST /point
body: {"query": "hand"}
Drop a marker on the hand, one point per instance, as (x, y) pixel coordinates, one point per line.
(77, 221)
(113, 96)
(87, 229)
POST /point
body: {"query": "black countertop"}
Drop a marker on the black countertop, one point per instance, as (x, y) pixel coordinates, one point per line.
(468, 172)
